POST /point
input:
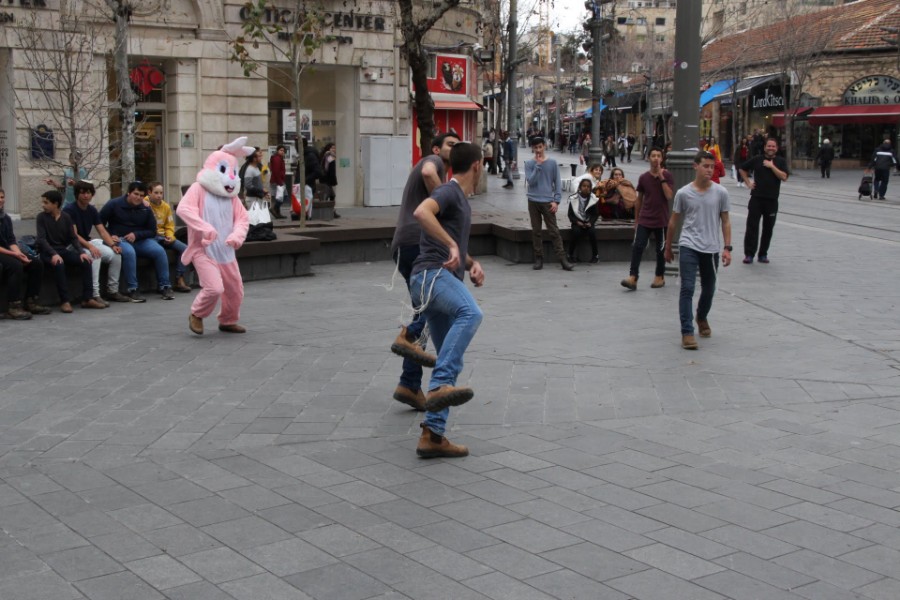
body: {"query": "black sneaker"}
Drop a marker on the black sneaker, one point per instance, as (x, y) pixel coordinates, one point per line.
(135, 296)
(166, 293)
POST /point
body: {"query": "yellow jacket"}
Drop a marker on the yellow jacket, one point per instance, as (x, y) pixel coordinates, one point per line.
(165, 222)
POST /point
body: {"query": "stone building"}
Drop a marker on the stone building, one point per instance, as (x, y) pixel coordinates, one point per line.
(841, 73)
(195, 98)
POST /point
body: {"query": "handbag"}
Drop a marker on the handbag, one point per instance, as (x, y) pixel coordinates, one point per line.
(279, 192)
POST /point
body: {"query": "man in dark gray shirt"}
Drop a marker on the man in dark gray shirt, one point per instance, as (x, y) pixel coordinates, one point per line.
(428, 174)
(437, 284)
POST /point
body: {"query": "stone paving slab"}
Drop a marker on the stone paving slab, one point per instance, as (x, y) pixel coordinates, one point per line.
(139, 461)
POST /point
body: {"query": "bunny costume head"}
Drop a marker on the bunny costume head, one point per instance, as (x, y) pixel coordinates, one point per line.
(219, 174)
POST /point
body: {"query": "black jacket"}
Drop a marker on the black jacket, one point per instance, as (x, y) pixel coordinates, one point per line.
(883, 158)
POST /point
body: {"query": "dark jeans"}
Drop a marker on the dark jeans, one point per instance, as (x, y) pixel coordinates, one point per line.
(826, 169)
(13, 272)
(689, 263)
(411, 377)
(641, 238)
(70, 257)
(579, 232)
(767, 210)
(538, 211)
(879, 188)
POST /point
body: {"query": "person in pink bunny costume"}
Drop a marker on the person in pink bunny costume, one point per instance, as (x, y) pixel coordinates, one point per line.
(217, 225)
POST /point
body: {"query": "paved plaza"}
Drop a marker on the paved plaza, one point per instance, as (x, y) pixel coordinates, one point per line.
(138, 461)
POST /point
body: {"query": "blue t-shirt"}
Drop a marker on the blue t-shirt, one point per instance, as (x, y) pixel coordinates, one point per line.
(455, 216)
(84, 220)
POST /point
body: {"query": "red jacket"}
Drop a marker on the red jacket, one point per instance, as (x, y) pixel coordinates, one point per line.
(276, 169)
(719, 171)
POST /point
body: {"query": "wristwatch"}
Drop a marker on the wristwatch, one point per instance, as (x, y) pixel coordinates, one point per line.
(729, 248)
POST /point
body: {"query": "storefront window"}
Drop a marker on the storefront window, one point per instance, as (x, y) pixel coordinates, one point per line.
(804, 140)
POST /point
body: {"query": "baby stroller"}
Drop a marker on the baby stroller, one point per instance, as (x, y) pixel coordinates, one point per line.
(865, 186)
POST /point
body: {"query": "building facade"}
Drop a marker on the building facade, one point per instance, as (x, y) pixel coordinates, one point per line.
(192, 97)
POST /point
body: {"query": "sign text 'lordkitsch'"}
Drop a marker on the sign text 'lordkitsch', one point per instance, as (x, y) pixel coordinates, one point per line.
(768, 100)
(338, 20)
(873, 90)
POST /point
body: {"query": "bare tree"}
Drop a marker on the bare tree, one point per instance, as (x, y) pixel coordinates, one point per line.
(121, 11)
(414, 24)
(293, 38)
(796, 52)
(64, 89)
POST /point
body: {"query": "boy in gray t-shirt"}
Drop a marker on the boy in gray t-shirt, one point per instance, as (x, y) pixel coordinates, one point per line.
(701, 207)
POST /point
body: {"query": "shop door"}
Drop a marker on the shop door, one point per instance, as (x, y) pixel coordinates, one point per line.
(148, 146)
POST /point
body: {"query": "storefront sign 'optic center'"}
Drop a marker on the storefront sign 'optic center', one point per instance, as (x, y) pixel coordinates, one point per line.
(338, 20)
(873, 90)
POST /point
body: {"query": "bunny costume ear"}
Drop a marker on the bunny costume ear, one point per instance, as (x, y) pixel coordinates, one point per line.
(237, 148)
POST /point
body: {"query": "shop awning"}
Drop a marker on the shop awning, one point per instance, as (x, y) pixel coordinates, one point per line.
(590, 111)
(778, 118)
(457, 105)
(719, 87)
(746, 86)
(626, 101)
(855, 115)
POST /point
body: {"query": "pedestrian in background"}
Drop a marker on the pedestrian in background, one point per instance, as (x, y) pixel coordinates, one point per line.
(543, 190)
(882, 161)
(763, 175)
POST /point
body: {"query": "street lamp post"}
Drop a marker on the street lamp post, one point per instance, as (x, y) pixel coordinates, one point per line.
(686, 101)
(558, 94)
(595, 24)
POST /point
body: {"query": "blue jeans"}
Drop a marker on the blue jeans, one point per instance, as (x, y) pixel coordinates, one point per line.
(411, 377)
(453, 317)
(148, 248)
(689, 262)
(178, 247)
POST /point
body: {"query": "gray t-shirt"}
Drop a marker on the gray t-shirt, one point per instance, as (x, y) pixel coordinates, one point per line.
(408, 230)
(702, 223)
(455, 216)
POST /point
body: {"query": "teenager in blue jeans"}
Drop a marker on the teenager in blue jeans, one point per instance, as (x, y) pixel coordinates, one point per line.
(452, 314)
(701, 207)
(133, 228)
(428, 174)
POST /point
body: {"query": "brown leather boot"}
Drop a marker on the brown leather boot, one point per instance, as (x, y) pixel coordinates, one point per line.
(688, 342)
(630, 282)
(32, 306)
(658, 282)
(233, 328)
(195, 324)
(181, 286)
(447, 395)
(407, 396)
(15, 311)
(703, 328)
(432, 445)
(407, 348)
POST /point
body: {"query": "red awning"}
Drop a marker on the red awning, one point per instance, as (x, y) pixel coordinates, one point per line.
(457, 105)
(855, 115)
(778, 118)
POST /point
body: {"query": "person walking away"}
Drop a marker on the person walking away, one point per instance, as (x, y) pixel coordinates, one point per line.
(609, 150)
(655, 190)
(700, 208)
(824, 158)
(509, 157)
(543, 185)
(882, 161)
(487, 147)
(452, 313)
(763, 174)
(428, 174)
(631, 140)
(586, 150)
(622, 145)
(278, 171)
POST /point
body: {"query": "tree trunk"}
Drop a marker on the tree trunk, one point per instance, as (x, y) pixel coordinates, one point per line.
(424, 105)
(788, 126)
(127, 100)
